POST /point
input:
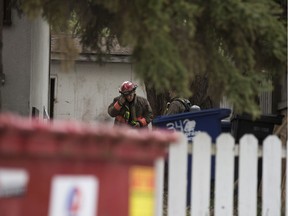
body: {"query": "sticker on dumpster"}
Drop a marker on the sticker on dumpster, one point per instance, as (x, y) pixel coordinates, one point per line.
(74, 201)
(13, 182)
(141, 194)
(74, 196)
(186, 126)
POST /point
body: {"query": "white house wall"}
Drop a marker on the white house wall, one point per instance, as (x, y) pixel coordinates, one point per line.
(84, 92)
(40, 49)
(15, 92)
(25, 65)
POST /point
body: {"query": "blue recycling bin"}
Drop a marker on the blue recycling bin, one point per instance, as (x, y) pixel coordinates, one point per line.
(191, 123)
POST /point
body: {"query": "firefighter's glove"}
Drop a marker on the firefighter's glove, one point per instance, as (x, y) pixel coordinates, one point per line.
(121, 100)
(135, 124)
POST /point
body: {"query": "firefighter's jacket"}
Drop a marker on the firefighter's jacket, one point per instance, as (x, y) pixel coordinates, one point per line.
(174, 107)
(137, 110)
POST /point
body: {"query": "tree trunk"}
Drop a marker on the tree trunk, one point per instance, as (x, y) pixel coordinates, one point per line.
(199, 87)
(157, 100)
(201, 97)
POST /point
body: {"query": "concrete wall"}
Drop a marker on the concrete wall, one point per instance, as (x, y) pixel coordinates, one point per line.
(26, 66)
(84, 92)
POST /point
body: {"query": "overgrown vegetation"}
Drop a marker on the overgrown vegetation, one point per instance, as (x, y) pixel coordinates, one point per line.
(236, 46)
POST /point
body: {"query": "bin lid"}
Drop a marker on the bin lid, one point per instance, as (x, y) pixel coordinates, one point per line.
(219, 113)
(26, 137)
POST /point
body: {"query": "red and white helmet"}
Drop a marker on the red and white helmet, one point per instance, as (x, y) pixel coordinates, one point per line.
(127, 87)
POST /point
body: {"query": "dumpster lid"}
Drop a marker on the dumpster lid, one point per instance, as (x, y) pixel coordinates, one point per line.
(273, 119)
(27, 136)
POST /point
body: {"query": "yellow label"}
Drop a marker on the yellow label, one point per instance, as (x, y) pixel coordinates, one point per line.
(141, 194)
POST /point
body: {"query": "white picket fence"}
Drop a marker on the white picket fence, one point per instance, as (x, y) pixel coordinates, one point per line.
(225, 150)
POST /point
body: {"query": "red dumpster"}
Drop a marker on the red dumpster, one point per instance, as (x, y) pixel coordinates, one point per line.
(69, 168)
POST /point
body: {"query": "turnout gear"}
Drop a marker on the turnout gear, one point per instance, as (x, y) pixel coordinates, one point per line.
(180, 105)
(121, 100)
(135, 123)
(137, 113)
(186, 103)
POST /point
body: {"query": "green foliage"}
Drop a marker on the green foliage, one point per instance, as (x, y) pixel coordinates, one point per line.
(237, 44)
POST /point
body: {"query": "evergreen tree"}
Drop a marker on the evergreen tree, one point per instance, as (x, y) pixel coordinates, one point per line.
(233, 46)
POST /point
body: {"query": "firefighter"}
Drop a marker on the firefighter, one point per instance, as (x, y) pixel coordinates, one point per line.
(129, 108)
(179, 105)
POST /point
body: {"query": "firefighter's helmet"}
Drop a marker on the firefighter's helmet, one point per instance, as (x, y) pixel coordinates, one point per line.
(127, 87)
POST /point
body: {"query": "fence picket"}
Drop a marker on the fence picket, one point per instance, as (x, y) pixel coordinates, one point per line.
(225, 152)
(159, 185)
(224, 175)
(247, 192)
(271, 176)
(201, 170)
(177, 177)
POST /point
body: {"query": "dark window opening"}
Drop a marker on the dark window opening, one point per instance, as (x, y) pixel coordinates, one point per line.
(35, 112)
(52, 96)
